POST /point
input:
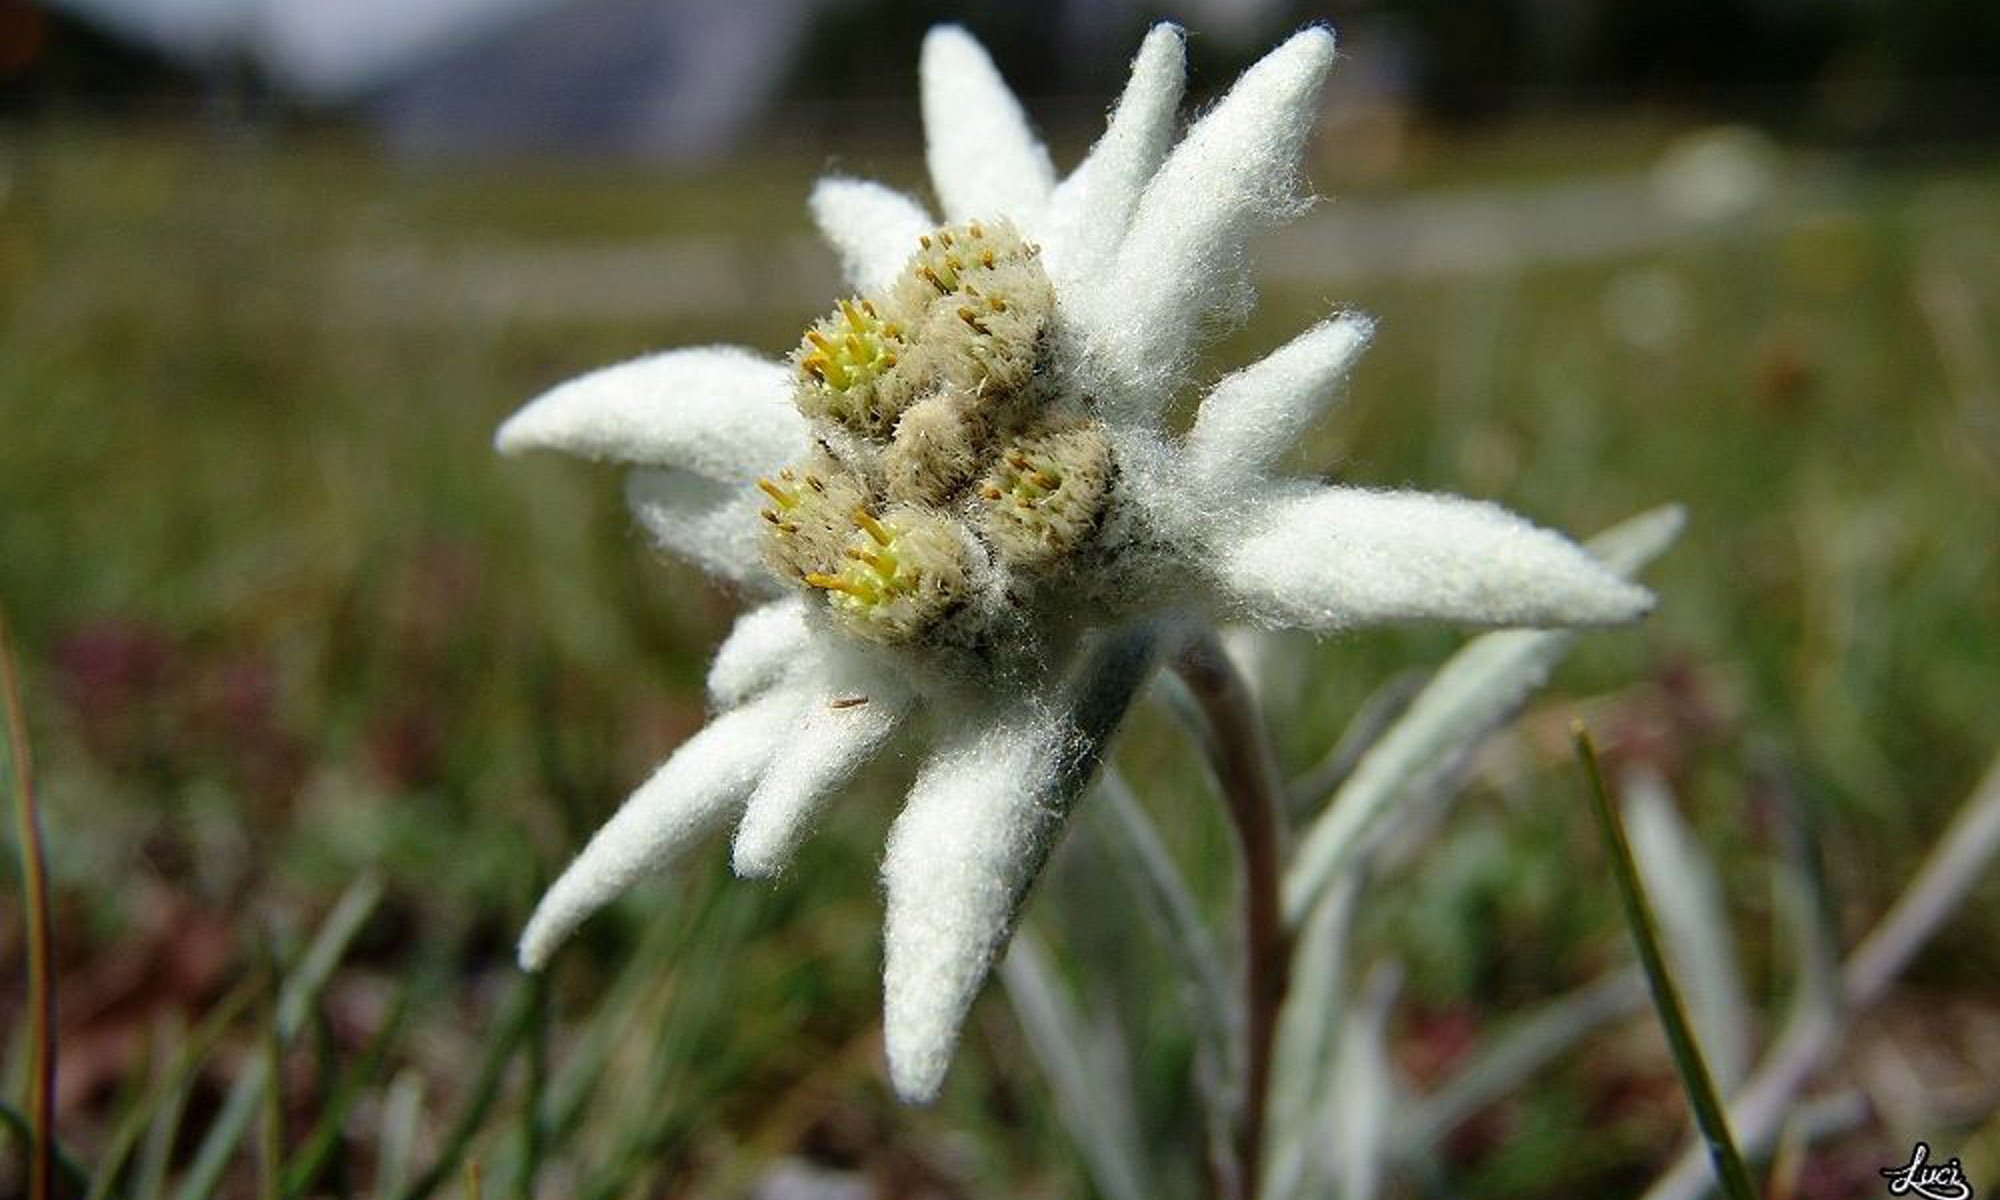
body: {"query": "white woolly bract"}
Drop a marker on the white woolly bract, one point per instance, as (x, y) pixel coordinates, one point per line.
(1234, 173)
(693, 793)
(715, 410)
(1470, 695)
(1091, 209)
(1251, 418)
(762, 647)
(873, 228)
(985, 161)
(840, 729)
(1332, 557)
(969, 841)
(704, 521)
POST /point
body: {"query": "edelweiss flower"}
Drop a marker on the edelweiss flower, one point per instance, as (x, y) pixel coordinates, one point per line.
(961, 499)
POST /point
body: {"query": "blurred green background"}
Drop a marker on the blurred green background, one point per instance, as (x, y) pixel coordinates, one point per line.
(285, 622)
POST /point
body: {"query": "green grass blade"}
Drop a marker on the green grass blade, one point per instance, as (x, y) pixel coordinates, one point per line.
(533, 1125)
(156, 1117)
(402, 1111)
(296, 996)
(74, 1178)
(1709, 1113)
(512, 1028)
(304, 1169)
(271, 1122)
(35, 907)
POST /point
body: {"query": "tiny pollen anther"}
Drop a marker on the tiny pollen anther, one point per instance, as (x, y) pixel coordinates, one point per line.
(841, 702)
(784, 499)
(837, 583)
(872, 527)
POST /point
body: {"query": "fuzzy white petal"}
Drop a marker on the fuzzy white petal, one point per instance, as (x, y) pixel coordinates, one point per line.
(1252, 417)
(1469, 696)
(1183, 258)
(762, 647)
(970, 840)
(710, 523)
(1334, 557)
(985, 161)
(980, 822)
(1090, 211)
(697, 790)
(873, 228)
(715, 410)
(835, 737)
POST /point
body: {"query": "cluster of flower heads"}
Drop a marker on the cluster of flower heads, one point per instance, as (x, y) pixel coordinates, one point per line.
(960, 498)
(950, 473)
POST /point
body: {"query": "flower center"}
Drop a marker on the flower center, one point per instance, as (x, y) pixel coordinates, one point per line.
(1045, 493)
(942, 441)
(841, 364)
(899, 574)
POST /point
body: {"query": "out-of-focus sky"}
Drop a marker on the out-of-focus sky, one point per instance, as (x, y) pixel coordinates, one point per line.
(689, 78)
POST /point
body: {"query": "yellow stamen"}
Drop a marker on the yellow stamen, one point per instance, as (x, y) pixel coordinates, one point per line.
(872, 527)
(840, 583)
(784, 498)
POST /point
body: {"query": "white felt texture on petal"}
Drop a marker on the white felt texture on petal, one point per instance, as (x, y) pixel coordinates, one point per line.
(834, 738)
(697, 790)
(1334, 557)
(985, 161)
(961, 857)
(1491, 677)
(1252, 417)
(873, 228)
(980, 822)
(1090, 211)
(708, 522)
(719, 411)
(1182, 260)
(762, 648)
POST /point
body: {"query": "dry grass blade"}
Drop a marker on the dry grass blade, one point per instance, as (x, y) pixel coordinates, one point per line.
(35, 904)
(1688, 1060)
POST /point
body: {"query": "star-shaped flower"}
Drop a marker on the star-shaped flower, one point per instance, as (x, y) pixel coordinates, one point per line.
(960, 498)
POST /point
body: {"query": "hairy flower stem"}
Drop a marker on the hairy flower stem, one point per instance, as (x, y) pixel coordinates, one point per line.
(1239, 751)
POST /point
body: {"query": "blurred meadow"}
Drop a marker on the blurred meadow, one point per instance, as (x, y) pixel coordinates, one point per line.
(321, 690)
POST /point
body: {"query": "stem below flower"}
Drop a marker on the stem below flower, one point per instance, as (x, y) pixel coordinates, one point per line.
(1240, 754)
